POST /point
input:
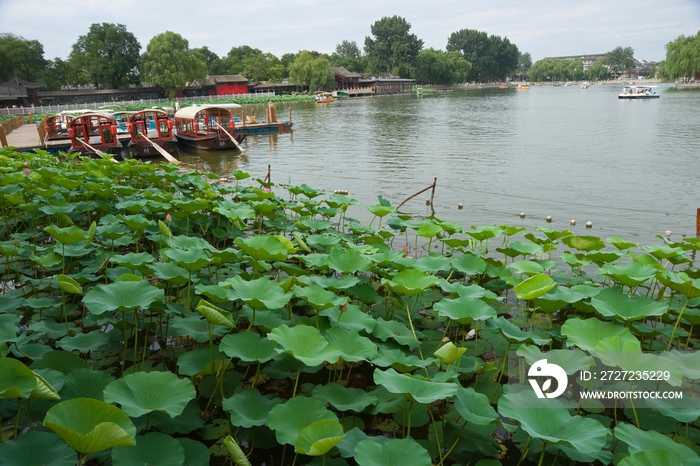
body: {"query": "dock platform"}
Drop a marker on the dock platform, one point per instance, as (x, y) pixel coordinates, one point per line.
(26, 137)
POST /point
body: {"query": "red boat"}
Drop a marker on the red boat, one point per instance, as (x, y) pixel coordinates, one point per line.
(93, 134)
(208, 128)
(57, 126)
(150, 128)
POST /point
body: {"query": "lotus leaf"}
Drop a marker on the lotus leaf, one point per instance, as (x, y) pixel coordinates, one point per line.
(354, 347)
(344, 398)
(474, 407)
(632, 274)
(89, 425)
(153, 449)
(482, 233)
(352, 318)
(199, 361)
(611, 302)
(399, 360)
(420, 390)
(319, 437)
(188, 421)
(68, 235)
(652, 458)
(586, 334)
(85, 383)
(411, 282)
(513, 334)
(143, 392)
(571, 360)
(248, 347)
(260, 292)
(16, 379)
(305, 344)
(394, 452)
(68, 284)
(83, 342)
(449, 354)
(639, 441)
(37, 448)
(235, 452)
(397, 331)
(464, 310)
(290, 418)
(552, 423)
(319, 298)
(215, 315)
(584, 243)
(534, 287)
(526, 267)
(348, 261)
(122, 296)
(249, 408)
(688, 362)
(196, 453)
(263, 248)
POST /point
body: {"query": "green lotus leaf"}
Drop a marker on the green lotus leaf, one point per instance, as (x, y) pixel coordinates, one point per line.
(248, 347)
(639, 441)
(397, 331)
(470, 291)
(611, 302)
(189, 259)
(464, 310)
(143, 392)
(344, 398)
(260, 292)
(513, 334)
(688, 362)
(684, 415)
(235, 452)
(135, 222)
(420, 390)
(215, 315)
(353, 318)
(164, 230)
(469, 264)
(132, 260)
(306, 344)
(482, 233)
(394, 452)
(263, 248)
(69, 285)
(331, 283)
(663, 252)
(318, 298)
(428, 230)
(620, 243)
(474, 407)
(557, 298)
(584, 243)
(175, 274)
(353, 347)
(381, 210)
(16, 379)
(586, 334)
(83, 342)
(319, 437)
(85, 383)
(411, 282)
(632, 274)
(322, 242)
(36, 448)
(526, 267)
(196, 453)
(652, 458)
(122, 296)
(68, 235)
(198, 361)
(290, 418)
(153, 449)
(89, 425)
(553, 424)
(44, 390)
(681, 282)
(534, 287)
(449, 354)
(399, 360)
(348, 261)
(306, 223)
(233, 211)
(571, 360)
(249, 408)
(628, 356)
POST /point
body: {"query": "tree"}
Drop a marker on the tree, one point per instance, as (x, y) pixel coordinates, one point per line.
(58, 73)
(348, 55)
(682, 57)
(620, 60)
(263, 67)
(505, 58)
(348, 49)
(475, 47)
(215, 65)
(392, 46)
(524, 64)
(22, 57)
(108, 53)
(312, 72)
(438, 67)
(168, 62)
(598, 70)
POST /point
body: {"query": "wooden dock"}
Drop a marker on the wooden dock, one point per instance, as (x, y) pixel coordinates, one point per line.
(26, 137)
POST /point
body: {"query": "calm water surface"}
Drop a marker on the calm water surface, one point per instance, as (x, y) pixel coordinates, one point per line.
(630, 167)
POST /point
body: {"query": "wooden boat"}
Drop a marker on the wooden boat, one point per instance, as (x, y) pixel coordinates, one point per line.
(149, 128)
(57, 126)
(93, 134)
(324, 97)
(522, 87)
(208, 128)
(638, 92)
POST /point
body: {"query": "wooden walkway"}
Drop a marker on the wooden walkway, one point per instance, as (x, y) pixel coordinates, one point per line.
(25, 137)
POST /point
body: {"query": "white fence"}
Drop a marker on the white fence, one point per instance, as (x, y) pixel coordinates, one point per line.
(96, 105)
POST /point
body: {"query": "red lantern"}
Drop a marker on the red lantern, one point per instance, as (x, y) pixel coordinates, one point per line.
(232, 124)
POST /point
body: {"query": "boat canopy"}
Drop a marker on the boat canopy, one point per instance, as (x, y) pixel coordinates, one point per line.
(192, 113)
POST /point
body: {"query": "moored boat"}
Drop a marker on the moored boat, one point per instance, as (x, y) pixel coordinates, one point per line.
(522, 87)
(150, 128)
(208, 128)
(93, 134)
(638, 92)
(324, 97)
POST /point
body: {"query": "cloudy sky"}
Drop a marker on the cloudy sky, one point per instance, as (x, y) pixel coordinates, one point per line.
(540, 27)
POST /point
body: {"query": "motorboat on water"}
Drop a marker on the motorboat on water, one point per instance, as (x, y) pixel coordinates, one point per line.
(638, 92)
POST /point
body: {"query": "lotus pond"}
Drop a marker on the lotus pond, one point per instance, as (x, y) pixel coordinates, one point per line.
(150, 316)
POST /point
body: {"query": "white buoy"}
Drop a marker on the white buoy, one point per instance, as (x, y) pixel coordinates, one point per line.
(589, 224)
(573, 222)
(549, 219)
(460, 206)
(668, 232)
(522, 215)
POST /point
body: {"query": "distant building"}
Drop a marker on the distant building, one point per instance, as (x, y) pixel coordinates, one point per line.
(224, 84)
(345, 79)
(386, 84)
(587, 60)
(20, 93)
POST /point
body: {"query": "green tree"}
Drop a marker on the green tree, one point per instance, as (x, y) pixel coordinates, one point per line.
(392, 46)
(576, 71)
(682, 57)
(22, 57)
(438, 67)
(540, 71)
(505, 58)
(238, 55)
(108, 53)
(524, 64)
(169, 62)
(263, 67)
(348, 55)
(58, 73)
(620, 60)
(598, 71)
(312, 72)
(215, 64)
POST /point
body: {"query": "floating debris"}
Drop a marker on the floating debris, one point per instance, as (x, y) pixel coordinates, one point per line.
(668, 232)
(589, 224)
(549, 219)
(573, 222)
(460, 206)
(342, 191)
(522, 215)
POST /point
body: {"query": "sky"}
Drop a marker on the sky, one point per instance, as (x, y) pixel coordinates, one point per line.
(544, 28)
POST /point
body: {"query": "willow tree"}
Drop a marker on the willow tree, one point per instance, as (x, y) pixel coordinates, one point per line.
(393, 47)
(438, 67)
(312, 72)
(169, 62)
(683, 57)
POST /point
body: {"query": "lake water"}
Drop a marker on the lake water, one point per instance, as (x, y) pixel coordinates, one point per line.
(629, 167)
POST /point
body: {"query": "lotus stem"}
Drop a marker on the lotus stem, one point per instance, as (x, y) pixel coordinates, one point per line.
(19, 412)
(437, 437)
(675, 327)
(525, 450)
(544, 450)
(296, 381)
